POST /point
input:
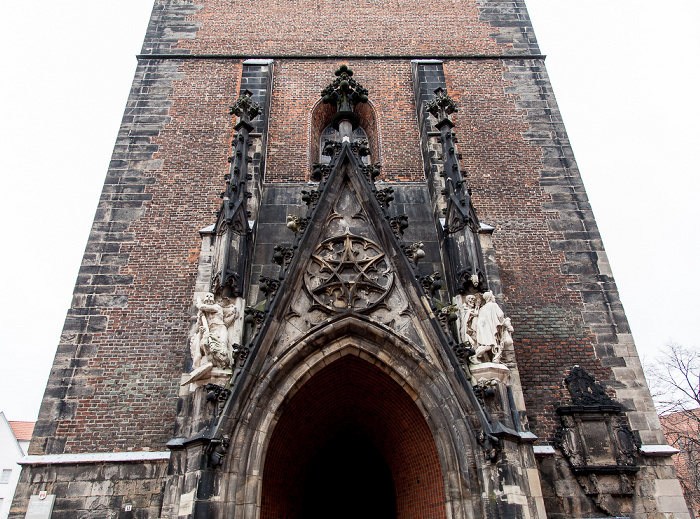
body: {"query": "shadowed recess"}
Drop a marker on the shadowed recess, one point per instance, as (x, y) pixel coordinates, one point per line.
(352, 443)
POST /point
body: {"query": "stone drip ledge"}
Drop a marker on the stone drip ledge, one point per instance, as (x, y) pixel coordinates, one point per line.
(658, 450)
(646, 450)
(95, 457)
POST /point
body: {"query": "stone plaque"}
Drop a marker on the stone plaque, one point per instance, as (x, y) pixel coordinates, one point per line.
(40, 508)
(186, 504)
(599, 447)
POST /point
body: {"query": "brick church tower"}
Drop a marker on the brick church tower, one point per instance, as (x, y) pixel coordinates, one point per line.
(343, 265)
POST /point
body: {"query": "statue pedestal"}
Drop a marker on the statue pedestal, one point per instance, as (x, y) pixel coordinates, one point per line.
(487, 371)
(205, 374)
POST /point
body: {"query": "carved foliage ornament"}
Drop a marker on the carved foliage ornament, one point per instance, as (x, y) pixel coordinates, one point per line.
(245, 107)
(431, 284)
(384, 196)
(348, 273)
(441, 106)
(398, 225)
(344, 92)
(584, 390)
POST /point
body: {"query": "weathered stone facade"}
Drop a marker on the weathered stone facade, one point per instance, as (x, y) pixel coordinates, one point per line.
(355, 227)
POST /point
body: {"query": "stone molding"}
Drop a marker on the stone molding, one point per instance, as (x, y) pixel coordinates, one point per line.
(95, 457)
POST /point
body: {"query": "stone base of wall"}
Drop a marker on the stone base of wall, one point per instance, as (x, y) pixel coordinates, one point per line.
(102, 490)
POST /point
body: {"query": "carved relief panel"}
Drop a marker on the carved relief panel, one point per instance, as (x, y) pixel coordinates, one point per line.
(597, 442)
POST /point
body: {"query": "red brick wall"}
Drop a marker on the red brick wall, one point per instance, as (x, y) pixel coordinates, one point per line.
(127, 330)
(320, 27)
(160, 249)
(504, 171)
(130, 383)
(352, 392)
(298, 86)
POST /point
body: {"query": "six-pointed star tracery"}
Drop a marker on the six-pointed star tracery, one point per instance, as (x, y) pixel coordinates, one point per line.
(348, 273)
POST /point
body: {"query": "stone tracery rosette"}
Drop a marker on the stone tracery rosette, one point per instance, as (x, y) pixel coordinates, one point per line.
(348, 273)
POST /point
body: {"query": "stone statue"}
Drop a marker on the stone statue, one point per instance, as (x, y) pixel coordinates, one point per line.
(210, 343)
(506, 339)
(468, 310)
(493, 331)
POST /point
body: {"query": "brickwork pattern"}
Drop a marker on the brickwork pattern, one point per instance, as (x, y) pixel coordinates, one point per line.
(482, 27)
(95, 490)
(353, 393)
(298, 86)
(114, 381)
(318, 27)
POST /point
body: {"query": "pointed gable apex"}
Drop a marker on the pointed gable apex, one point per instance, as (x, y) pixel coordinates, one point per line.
(348, 261)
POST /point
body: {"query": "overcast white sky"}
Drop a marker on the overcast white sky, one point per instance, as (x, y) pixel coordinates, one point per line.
(624, 73)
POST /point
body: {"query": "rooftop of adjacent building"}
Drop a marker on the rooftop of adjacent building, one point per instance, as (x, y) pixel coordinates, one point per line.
(22, 430)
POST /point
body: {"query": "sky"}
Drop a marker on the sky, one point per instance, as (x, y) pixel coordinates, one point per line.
(624, 73)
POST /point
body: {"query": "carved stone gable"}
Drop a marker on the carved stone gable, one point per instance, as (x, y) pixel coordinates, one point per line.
(349, 271)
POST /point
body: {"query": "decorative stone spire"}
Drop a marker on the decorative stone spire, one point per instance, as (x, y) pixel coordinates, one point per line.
(344, 92)
(232, 230)
(247, 110)
(463, 251)
(440, 108)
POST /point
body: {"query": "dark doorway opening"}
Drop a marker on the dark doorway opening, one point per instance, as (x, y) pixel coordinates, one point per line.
(347, 479)
(352, 443)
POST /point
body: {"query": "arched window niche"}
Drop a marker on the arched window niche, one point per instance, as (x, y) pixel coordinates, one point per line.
(322, 130)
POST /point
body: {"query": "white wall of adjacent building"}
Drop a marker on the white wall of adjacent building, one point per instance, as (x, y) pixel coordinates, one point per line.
(11, 451)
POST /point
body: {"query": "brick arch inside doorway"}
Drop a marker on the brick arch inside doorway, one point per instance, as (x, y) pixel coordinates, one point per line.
(352, 394)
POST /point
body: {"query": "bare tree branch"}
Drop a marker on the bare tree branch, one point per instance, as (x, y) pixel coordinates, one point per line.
(674, 382)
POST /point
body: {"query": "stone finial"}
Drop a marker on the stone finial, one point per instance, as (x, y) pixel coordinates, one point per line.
(442, 106)
(345, 92)
(246, 108)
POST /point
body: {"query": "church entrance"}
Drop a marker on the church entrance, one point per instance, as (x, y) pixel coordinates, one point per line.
(350, 478)
(352, 443)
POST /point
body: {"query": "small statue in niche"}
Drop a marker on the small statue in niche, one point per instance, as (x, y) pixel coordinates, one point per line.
(210, 343)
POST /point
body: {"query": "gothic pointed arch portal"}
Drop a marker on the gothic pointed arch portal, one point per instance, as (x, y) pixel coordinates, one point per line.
(352, 443)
